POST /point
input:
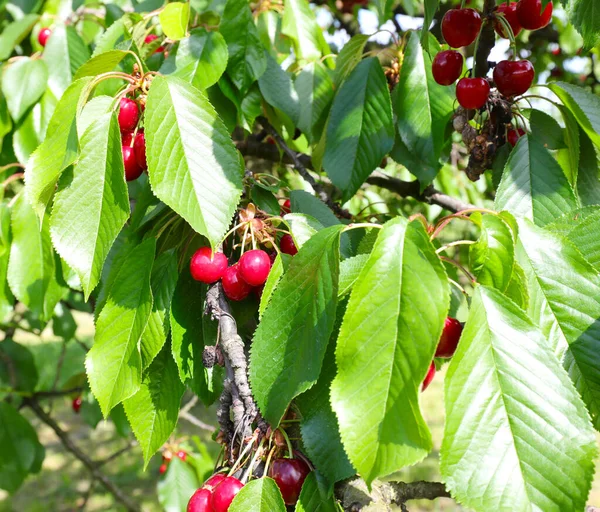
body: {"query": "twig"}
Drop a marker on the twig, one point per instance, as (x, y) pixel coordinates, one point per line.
(117, 454)
(487, 40)
(56, 393)
(195, 421)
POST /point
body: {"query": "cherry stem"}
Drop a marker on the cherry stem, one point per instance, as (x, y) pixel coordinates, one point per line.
(248, 473)
(16, 176)
(362, 225)
(460, 267)
(454, 244)
(137, 59)
(269, 457)
(462, 290)
(288, 442)
(241, 457)
(476, 47)
(511, 35)
(10, 166)
(166, 225)
(442, 223)
(244, 240)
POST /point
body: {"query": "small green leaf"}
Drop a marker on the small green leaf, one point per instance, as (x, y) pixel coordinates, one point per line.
(588, 177)
(174, 19)
(311, 499)
(278, 90)
(350, 269)
(349, 57)
(260, 495)
(63, 323)
(101, 63)
(14, 33)
(430, 7)
(300, 24)
(315, 92)
(585, 17)
(23, 84)
(177, 487)
(277, 270)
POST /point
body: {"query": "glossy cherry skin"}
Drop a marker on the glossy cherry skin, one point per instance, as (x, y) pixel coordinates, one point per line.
(139, 148)
(513, 136)
(126, 138)
(163, 468)
(129, 115)
(224, 493)
(447, 67)
(200, 501)
(44, 35)
(234, 286)
(429, 377)
(531, 16)
(132, 170)
(289, 475)
(76, 404)
(286, 207)
(287, 245)
(460, 27)
(472, 93)
(510, 14)
(214, 481)
(206, 266)
(449, 338)
(254, 267)
(513, 77)
(153, 37)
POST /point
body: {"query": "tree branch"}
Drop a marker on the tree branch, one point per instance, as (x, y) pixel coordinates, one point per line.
(487, 40)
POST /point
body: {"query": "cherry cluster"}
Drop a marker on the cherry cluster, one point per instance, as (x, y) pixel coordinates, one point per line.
(167, 457)
(446, 346)
(132, 139)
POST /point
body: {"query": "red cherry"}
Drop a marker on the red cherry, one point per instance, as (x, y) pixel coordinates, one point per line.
(472, 93)
(162, 469)
(513, 136)
(224, 493)
(510, 14)
(234, 286)
(214, 481)
(557, 51)
(182, 455)
(531, 16)
(289, 475)
(287, 245)
(139, 148)
(429, 377)
(43, 36)
(132, 170)
(449, 338)
(76, 404)
(129, 115)
(200, 501)
(126, 138)
(254, 267)
(153, 37)
(447, 66)
(460, 27)
(206, 266)
(513, 77)
(286, 207)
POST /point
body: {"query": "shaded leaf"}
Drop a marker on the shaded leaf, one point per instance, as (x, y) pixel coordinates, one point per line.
(260, 495)
(178, 485)
(23, 84)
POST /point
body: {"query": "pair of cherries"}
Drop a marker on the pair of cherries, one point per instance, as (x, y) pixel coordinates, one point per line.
(133, 145)
(215, 495)
(446, 346)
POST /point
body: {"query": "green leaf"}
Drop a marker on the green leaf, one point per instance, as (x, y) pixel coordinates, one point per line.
(315, 92)
(23, 84)
(177, 487)
(311, 499)
(430, 8)
(188, 146)
(92, 110)
(569, 157)
(278, 90)
(64, 54)
(63, 323)
(201, 59)
(247, 60)
(546, 130)
(423, 109)
(21, 452)
(153, 411)
(360, 131)
(349, 57)
(174, 19)
(260, 495)
(588, 177)
(91, 205)
(6, 297)
(585, 17)
(14, 33)
(32, 263)
(511, 408)
(291, 339)
(57, 152)
(566, 309)
(392, 324)
(277, 270)
(533, 185)
(517, 289)
(350, 269)
(101, 63)
(22, 373)
(114, 363)
(300, 24)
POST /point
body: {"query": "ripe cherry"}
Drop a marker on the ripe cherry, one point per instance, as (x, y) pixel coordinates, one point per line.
(129, 115)
(447, 67)
(286, 207)
(182, 455)
(206, 266)
(153, 37)
(234, 286)
(510, 14)
(513, 136)
(126, 138)
(214, 481)
(139, 148)
(472, 93)
(460, 27)
(76, 404)
(289, 475)
(254, 267)
(224, 493)
(429, 377)
(531, 16)
(132, 170)
(200, 501)
(513, 77)
(287, 245)
(449, 338)
(163, 468)
(43, 36)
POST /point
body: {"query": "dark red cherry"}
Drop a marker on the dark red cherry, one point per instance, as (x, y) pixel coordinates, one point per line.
(447, 67)
(472, 93)
(286, 207)
(513, 136)
(129, 115)
(449, 338)
(153, 37)
(139, 148)
(224, 493)
(531, 16)
(76, 404)
(513, 77)
(429, 377)
(460, 27)
(234, 286)
(126, 138)
(206, 266)
(200, 501)
(132, 170)
(510, 14)
(287, 245)
(214, 480)
(43, 36)
(254, 267)
(163, 468)
(289, 475)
